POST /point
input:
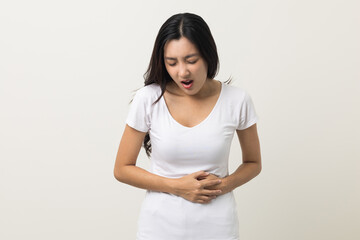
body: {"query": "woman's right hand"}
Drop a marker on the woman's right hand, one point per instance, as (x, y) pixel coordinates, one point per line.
(190, 188)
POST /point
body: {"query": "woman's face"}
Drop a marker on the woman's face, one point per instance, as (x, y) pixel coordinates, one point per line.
(185, 65)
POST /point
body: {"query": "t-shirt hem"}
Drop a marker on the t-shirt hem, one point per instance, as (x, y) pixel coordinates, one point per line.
(249, 124)
(132, 125)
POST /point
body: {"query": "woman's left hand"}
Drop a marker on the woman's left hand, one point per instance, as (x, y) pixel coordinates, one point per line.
(221, 186)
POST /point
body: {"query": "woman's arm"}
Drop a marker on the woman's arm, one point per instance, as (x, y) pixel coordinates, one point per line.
(126, 171)
(251, 161)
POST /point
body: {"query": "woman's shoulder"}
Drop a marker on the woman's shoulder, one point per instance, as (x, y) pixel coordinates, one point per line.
(149, 92)
(235, 93)
(149, 89)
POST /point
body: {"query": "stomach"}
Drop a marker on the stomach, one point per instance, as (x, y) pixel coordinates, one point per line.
(167, 216)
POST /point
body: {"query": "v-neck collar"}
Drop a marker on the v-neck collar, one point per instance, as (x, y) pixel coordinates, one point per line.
(205, 119)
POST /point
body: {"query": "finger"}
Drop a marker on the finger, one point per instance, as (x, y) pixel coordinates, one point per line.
(203, 202)
(200, 174)
(209, 176)
(211, 183)
(205, 198)
(211, 192)
(201, 178)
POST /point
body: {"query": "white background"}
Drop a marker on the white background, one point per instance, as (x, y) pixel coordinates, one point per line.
(67, 72)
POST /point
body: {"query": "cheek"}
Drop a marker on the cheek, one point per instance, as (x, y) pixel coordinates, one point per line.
(173, 74)
(200, 70)
(170, 71)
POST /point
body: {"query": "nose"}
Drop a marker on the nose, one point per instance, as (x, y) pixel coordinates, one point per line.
(183, 70)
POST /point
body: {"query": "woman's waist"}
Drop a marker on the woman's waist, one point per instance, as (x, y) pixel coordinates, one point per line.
(218, 171)
(172, 200)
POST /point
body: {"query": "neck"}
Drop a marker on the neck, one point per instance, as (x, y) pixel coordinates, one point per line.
(209, 88)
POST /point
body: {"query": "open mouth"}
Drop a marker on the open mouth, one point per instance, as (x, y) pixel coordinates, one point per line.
(187, 84)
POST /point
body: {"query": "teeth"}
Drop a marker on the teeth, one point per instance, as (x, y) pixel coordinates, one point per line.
(186, 82)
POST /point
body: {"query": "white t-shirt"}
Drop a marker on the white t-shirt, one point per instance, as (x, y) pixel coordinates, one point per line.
(178, 150)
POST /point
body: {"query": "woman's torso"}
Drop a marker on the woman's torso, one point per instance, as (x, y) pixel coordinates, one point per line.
(183, 147)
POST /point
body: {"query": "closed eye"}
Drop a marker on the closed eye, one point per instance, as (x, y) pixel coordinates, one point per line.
(190, 62)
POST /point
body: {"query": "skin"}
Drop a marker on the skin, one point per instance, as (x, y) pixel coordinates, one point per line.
(189, 107)
(184, 62)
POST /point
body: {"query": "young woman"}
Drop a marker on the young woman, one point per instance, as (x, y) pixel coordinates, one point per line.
(186, 120)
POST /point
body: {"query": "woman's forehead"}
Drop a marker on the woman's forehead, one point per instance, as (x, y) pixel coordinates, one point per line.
(180, 48)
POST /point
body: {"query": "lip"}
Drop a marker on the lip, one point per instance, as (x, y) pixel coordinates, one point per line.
(187, 86)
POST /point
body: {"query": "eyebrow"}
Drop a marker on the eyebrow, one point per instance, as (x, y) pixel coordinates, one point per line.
(186, 57)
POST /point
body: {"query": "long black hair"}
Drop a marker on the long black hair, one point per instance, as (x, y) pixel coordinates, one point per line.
(195, 29)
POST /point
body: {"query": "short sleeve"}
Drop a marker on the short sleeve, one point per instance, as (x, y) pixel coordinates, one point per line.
(138, 115)
(248, 116)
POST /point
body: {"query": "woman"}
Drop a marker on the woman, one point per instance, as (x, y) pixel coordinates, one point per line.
(186, 121)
